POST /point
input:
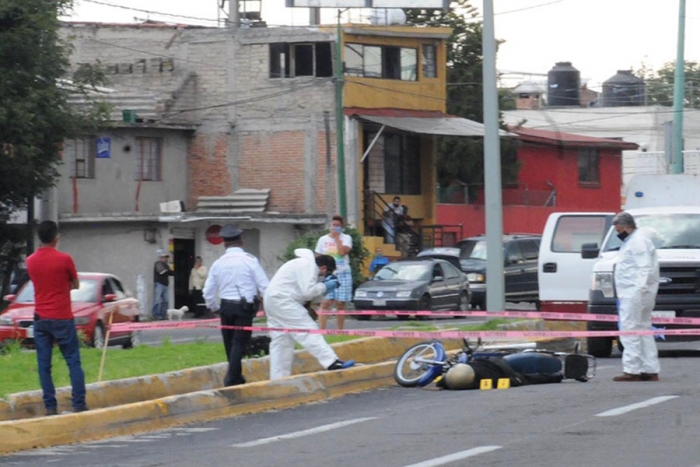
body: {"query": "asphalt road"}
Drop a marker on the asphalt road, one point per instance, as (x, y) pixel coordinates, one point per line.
(572, 423)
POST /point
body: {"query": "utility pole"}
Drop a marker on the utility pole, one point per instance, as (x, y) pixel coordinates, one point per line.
(492, 168)
(339, 135)
(679, 94)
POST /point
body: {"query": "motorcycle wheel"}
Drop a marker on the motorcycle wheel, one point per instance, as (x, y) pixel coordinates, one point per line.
(410, 374)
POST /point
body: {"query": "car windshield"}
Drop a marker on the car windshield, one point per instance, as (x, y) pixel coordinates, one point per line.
(672, 231)
(473, 249)
(86, 293)
(405, 272)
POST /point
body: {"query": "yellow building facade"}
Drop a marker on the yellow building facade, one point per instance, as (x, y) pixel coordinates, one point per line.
(394, 81)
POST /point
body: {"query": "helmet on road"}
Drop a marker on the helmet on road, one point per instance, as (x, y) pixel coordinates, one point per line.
(460, 376)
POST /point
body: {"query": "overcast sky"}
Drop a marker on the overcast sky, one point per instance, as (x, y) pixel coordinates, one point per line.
(599, 37)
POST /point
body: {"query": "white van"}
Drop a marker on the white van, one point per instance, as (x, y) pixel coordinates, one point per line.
(563, 275)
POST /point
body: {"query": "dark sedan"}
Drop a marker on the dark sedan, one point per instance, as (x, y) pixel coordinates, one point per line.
(417, 284)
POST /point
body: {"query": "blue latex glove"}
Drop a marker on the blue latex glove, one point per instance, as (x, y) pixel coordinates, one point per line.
(331, 283)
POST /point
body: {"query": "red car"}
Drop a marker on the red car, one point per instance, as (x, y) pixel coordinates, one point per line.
(99, 296)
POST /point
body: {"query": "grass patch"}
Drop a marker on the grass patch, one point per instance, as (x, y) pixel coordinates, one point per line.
(490, 325)
(19, 368)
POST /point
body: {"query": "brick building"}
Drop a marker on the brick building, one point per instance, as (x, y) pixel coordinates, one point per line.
(259, 108)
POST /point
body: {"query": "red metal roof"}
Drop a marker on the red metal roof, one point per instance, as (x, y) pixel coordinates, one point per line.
(530, 135)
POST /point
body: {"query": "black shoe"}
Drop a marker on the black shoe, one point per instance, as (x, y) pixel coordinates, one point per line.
(340, 365)
(50, 412)
(81, 409)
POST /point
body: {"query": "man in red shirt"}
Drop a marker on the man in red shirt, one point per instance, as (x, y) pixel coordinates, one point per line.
(53, 275)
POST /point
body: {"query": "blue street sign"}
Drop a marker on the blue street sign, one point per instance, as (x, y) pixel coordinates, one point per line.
(104, 148)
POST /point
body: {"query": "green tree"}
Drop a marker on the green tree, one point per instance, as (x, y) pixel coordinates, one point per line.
(358, 254)
(660, 84)
(35, 85)
(462, 158)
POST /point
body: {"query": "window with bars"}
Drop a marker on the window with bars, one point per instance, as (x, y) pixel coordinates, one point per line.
(295, 60)
(589, 166)
(149, 160)
(83, 152)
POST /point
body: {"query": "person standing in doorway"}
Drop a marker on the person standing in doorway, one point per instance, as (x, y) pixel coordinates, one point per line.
(337, 245)
(54, 275)
(636, 284)
(233, 287)
(161, 281)
(198, 276)
(391, 217)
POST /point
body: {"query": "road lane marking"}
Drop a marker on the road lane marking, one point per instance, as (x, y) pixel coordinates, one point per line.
(299, 434)
(639, 405)
(455, 457)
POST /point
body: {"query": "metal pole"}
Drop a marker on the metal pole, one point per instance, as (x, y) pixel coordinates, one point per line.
(340, 150)
(30, 225)
(679, 94)
(234, 17)
(492, 168)
(329, 171)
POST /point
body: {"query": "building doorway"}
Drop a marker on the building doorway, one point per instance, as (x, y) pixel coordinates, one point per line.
(183, 258)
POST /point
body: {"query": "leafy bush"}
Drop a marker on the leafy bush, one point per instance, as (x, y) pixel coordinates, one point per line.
(357, 255)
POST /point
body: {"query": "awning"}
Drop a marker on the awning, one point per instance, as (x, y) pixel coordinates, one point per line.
(445, 126)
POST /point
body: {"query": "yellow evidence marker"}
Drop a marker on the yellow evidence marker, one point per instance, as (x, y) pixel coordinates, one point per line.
(486, 384)
(503, 383)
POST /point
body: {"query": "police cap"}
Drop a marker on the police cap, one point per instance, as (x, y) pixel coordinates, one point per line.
(229, 231)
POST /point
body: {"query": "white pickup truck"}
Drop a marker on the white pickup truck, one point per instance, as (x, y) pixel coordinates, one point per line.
(578, 250)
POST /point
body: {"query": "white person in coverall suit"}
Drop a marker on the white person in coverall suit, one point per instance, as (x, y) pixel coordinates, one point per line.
(294, 284)
(636, 284)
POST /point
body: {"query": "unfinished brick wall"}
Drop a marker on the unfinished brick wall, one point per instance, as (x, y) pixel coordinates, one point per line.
(275, 160)
(207, 165)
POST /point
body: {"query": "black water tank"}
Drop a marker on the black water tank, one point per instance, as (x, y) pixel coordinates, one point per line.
(564, 83)
(624, 89)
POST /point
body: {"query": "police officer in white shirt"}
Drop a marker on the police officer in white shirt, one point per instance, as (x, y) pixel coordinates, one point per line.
(235, 282)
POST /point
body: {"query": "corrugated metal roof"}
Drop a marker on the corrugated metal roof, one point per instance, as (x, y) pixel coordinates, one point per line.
(421, 121)
(243, 200)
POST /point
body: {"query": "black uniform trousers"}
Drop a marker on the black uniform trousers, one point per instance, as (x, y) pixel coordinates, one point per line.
(235, 313)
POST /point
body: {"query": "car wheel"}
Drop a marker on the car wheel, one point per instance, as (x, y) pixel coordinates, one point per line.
(424, 304)
(363, 317)
(538, 305)
(463, 303)
(98, 336)
(599, 347)
(134, 340)
(482, 304)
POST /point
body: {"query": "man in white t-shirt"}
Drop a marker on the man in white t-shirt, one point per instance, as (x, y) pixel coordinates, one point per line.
(338, 245)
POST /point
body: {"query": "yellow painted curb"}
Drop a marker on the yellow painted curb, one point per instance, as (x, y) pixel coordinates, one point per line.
(195, 407)
(144, 388)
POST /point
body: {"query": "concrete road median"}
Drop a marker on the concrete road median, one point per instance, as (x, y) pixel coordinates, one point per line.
(156, 402)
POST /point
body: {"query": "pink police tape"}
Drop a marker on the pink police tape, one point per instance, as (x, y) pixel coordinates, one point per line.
(214, 323)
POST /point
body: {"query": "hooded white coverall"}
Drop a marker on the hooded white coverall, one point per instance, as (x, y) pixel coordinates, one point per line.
(294, 284)
(636, 284)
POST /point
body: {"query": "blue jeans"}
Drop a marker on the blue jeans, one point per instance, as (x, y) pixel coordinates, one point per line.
(160, 301)
(62, 332)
